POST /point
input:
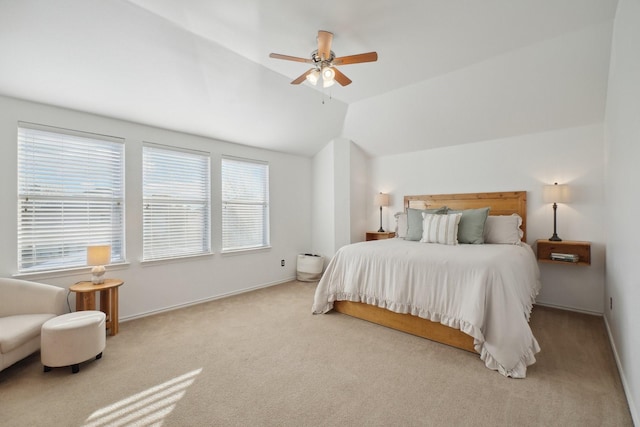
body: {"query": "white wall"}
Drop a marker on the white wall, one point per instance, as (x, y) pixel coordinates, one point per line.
(323, 203)
(568, 156)
(623, 199)
(156, 286)
(342, 191)
(361, 190)
(340, 195)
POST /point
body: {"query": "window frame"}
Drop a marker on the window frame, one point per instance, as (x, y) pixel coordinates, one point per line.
(265, 203)
(79, 177)
(170, 200)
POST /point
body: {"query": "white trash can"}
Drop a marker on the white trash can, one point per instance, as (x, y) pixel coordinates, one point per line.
(309, 267)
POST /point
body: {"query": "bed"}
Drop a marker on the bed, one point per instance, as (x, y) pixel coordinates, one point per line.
(477, 297)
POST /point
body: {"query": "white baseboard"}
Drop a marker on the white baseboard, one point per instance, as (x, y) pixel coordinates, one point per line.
(203, 300)
(562, 307)
(625, 385)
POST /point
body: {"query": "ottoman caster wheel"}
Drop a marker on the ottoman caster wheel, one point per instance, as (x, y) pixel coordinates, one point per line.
(99, 356)
(47, 368)
(75, 368)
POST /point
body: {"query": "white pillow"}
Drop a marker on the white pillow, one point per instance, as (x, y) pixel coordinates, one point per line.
(401, 224)
(503, 229)
(440, 228)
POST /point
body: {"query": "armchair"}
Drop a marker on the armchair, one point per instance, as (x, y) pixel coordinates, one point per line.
(24, 307)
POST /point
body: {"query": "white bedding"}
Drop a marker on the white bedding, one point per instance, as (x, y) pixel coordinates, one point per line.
(487, 291)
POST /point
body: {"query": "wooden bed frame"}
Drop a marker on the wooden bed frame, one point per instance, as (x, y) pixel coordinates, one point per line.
(501, 203)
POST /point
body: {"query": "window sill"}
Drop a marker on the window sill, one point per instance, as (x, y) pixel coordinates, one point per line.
(232, 252)
(174, 259)
(66, 272)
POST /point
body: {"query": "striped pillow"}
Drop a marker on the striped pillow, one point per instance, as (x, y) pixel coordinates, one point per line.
(440, 228)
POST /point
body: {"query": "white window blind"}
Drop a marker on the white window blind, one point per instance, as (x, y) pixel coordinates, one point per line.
(176, 197)
(70, 195)
(245, 204)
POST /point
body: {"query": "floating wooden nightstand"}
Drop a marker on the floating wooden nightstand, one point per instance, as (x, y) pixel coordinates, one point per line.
(546, 247)
(379, 235)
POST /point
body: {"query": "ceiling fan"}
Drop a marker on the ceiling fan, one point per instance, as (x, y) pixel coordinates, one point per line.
(324, 62)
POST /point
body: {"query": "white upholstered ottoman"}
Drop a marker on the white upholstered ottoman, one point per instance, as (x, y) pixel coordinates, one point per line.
(72, 338)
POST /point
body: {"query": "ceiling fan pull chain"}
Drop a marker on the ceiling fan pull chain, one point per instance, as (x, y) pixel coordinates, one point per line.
(330, 95)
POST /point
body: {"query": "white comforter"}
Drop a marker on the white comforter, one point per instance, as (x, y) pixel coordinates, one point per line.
(487, 291)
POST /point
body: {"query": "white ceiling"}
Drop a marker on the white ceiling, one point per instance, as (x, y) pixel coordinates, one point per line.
(449, 71)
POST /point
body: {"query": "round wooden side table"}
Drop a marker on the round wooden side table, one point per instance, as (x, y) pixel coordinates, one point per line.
(86, 299)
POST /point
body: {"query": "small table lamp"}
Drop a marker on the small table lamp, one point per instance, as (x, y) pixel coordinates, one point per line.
(381, 200)
(98, 256)
(555, 194)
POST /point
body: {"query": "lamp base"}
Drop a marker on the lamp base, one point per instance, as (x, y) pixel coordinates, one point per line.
(380, 230)
(97, 275)
(555, 237)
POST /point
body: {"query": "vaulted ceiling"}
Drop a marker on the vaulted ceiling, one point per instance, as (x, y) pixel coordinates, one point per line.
(449, 72)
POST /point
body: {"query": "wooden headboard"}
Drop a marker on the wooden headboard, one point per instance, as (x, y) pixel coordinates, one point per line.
(501, 203)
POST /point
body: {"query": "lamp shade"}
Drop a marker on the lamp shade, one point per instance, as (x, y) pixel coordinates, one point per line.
(381, 200)
(555, 193)
(328, 73)
(328, 76)
(98, 255)
(313, 77)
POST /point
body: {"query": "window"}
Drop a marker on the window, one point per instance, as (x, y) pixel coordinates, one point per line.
(176, 198)
(70, 195)
(245, 204)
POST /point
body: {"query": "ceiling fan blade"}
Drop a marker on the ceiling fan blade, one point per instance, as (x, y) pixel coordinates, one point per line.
(355, 59)
(302, 77)
(324, 44)
(340, 77)
(290, 58)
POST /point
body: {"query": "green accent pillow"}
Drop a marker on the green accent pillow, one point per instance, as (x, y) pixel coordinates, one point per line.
(414, 221)
(471, 227)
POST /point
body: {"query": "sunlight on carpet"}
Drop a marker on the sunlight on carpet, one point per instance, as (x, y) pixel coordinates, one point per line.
(149, 407)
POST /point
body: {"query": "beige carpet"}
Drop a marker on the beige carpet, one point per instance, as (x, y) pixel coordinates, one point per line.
(261, 358)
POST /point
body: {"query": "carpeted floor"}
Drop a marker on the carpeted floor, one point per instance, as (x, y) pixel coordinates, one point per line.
(262, 359)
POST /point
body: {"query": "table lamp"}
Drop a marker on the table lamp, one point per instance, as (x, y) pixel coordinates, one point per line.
(555, 194)
(98, 256)
(381, 200)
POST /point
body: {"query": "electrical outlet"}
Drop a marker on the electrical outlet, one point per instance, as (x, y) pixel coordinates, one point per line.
(281, 263)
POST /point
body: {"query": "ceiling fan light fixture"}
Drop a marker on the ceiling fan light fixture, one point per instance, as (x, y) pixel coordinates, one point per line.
(323, 60)
(328, 75)
(313, 77)
(328, 83)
